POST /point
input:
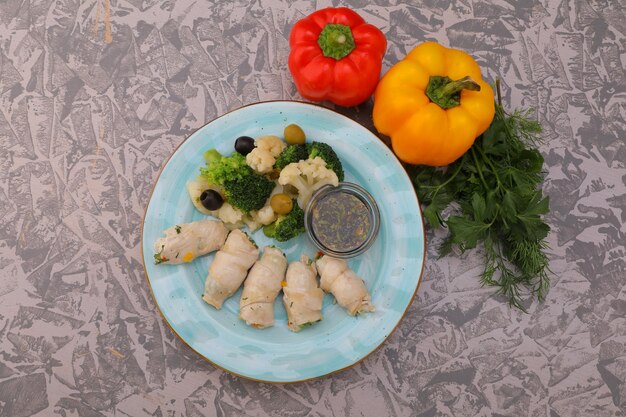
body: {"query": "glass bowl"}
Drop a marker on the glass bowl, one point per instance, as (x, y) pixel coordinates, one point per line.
(373, 215)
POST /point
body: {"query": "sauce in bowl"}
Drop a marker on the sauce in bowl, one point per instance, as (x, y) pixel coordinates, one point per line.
(342, 221)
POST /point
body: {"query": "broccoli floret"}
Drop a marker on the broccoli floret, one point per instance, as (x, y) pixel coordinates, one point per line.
(286, 226)
(292, 153)
(221, 168)
(250, 192)
(212, 155)
(243, 188)
(326, 152)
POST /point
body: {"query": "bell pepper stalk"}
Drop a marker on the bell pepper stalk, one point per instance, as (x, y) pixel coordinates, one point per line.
(433, 105)
(336, 56)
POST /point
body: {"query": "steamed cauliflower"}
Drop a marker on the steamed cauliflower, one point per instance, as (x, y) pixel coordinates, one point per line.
(195, 189)
(252, 224)
(229, 214)
(263, 156)
(307, 177)
(256, 219)
(263, 216)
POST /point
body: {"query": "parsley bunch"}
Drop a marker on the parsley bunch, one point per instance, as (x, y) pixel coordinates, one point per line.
(496, 186)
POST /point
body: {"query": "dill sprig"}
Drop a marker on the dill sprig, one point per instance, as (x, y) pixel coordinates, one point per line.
(497, 186)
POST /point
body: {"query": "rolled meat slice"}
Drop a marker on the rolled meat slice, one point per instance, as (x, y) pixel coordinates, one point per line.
(339, 280)
(261, 288)
(229, 268)
(302, 296)
(185, 242)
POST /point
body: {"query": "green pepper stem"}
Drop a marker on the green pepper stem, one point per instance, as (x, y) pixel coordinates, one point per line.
(336, 41)
(465, 83)
(446, 93)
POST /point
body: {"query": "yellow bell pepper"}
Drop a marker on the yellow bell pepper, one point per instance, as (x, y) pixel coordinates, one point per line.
(433, 104)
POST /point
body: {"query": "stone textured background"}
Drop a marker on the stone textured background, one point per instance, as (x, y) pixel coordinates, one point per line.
(96, 94)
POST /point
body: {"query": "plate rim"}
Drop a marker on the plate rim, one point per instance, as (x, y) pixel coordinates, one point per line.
(158, 307)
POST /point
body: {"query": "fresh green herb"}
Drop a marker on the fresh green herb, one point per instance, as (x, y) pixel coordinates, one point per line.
(251, 240)
(177, 227)
(308, 323)
(496, 185)
(158, 258)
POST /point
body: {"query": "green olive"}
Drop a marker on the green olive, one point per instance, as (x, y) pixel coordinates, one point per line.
(281, 203)
(294, 135)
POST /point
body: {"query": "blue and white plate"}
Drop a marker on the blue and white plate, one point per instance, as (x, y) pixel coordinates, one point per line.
(391, 268)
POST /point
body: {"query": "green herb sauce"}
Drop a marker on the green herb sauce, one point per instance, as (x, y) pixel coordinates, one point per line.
(341, 222)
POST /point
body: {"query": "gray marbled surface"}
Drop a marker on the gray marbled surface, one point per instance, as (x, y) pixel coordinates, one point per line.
(95, 95)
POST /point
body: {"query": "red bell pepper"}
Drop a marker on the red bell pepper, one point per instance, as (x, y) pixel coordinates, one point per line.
(336, 56)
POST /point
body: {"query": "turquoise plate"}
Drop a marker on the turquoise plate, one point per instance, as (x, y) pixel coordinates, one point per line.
(391, 268)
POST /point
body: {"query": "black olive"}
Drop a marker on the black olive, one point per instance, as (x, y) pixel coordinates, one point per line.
(244, 145)
(211, 199)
